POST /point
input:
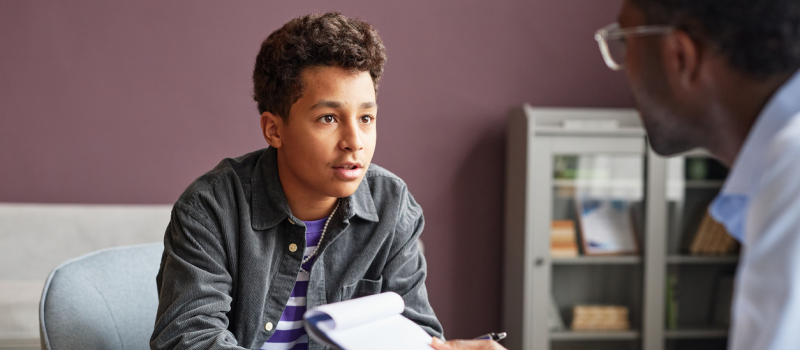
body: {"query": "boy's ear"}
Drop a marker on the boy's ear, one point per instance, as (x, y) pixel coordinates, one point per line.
(272, 127)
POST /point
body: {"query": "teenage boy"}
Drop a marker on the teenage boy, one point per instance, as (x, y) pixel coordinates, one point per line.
(307, 221)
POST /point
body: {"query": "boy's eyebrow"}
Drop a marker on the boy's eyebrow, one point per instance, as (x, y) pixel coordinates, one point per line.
(337, 104)
(328, 104)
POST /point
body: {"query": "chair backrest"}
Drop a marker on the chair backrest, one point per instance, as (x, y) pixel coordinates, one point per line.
(103, 300)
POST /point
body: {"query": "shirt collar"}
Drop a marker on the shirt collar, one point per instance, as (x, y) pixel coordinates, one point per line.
(731, 205)
(269, 206)
(747, 168)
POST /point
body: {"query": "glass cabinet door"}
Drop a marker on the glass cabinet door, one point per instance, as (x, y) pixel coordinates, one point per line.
(596, 235)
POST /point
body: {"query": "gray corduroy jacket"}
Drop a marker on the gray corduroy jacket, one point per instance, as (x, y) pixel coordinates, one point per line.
(227, 270)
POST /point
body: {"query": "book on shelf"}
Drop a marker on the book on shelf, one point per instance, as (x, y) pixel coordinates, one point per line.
(711, 238)
(563, 241)
(600, 318)
(606, 226)
(672, 301)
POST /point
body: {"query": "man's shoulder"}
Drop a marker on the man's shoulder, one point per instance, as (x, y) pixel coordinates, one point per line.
(786, 144)
(227, 175)
(779, 187)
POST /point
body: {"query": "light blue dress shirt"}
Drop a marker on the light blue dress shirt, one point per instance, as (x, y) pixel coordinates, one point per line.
(760, 206)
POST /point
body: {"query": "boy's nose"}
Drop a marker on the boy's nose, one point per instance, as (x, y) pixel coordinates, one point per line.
(351, 138)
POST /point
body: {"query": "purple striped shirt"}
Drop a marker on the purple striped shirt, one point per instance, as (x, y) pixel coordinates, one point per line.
(289, 333)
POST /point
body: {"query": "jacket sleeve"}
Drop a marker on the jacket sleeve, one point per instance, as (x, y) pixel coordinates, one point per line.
(405, 271)
(194, 285)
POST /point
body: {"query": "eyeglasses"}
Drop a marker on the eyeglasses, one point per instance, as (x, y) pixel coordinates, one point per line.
(613, 43)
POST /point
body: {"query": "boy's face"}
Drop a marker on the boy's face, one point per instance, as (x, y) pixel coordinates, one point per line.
(326, 144)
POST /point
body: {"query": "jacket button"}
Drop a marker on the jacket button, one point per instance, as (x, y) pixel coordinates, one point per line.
(268, 326)
(293, 247)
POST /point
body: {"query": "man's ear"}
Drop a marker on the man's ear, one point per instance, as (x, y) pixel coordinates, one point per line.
(272, 128)
(684, 57)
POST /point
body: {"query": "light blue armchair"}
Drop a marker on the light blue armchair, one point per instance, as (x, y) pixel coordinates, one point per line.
(103, 300)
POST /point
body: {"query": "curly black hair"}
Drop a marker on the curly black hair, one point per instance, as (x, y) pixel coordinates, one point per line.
(759, 37)
(328, 39)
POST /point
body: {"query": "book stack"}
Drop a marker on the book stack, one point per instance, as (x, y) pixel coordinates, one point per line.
(600, 318)
(562, 239)
(711, 238)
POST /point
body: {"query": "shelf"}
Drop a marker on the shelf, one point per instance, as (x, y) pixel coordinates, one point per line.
(704, 184)
(620, 131)
(594, 335)
(690, 259)
(598, 260)
(599, 183)
(696, 153)
(695, 333)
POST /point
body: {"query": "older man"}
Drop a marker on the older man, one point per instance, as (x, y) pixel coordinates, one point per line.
(723, 75)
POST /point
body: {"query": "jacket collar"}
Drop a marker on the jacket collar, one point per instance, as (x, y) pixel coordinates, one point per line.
(269, 205)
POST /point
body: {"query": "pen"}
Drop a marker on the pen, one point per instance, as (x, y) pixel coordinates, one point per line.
(493, 336)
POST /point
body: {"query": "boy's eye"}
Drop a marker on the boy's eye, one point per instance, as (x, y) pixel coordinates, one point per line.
(327, 119)
(366, 119)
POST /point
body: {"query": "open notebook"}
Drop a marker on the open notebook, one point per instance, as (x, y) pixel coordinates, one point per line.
(372, 322)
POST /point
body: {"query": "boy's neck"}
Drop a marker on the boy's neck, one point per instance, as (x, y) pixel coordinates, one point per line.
(303, 203)
(310, 210)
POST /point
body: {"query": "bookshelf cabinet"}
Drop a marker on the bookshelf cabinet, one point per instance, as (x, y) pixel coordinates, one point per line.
(608, 147)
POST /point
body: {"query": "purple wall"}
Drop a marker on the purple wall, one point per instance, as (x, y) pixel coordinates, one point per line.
(129, 102)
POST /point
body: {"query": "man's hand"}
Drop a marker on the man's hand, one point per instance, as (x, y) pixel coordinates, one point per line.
(466, 345)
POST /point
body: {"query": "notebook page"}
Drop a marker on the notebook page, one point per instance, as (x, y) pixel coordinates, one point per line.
(360, 311)
(392, 333)
(372, 322)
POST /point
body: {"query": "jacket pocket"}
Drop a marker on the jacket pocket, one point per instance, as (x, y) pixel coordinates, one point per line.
(362, 288)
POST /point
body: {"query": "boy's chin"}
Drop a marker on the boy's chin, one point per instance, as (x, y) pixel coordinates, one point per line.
(344, 189)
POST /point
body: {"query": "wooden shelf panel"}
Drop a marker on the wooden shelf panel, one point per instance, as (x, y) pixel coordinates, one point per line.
(598, 260)
(690, 259)
(594, 335)
(695, 333)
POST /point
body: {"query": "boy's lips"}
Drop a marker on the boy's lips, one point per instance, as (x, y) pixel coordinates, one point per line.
(348, 170)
